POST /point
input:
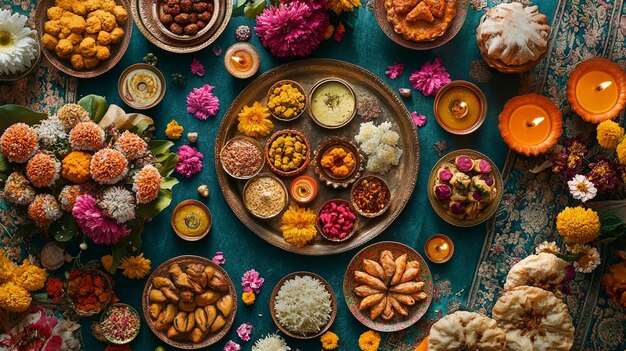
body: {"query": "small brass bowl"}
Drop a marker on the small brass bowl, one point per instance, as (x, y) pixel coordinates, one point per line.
(327, 176)
(303, 165)
(294, 84)
(474, 89)
(263, 175)
(312, 94)
(111, 338)
(251, 140)
(123, 89)
(447, 240)
(157, 11)
(387, 202)
(318, 221)
(187, 203)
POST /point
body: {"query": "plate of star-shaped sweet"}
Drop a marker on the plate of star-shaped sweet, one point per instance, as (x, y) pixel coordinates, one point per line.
(421, 24)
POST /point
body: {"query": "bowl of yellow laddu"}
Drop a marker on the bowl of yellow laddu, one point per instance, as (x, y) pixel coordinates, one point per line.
(84, 38)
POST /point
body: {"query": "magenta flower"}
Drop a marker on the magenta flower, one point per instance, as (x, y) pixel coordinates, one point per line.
(394, 71)
(252, 281)
(202, 103)
(232, 346)
(197, 67)
(244, 331)
(93, 222)
(189, 161)
(219, 258)
(419, 120)
(430, 78)
(292, 29)
(605, 174)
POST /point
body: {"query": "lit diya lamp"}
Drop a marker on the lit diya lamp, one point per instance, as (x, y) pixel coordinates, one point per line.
(303, 189)
(460, 107)
(242, 60)
(439, 248)
(596, 89)
(530, 124)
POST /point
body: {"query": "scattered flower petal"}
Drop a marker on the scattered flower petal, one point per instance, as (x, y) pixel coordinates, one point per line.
(419, 120)
(252, 281)
(202, 103)
(189, 161)
(197, 67)
(341, 30)
(430, 78)
(219, 258)
(232, 346)
(244, 331)
(394, 71)
(217, 50)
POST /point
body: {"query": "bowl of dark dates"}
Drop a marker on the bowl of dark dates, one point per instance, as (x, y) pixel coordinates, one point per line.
(185, 19)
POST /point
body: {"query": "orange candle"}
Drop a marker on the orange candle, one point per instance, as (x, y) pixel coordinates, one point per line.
(460, 107)
(242, 60)
(303, 189)
(596, 89)
(530, 124)
(439, 248)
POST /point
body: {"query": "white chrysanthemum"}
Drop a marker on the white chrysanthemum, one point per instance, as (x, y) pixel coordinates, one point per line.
(18, 46)
(548, 247)
(271, 342)
(588, 261)
(581, 188)
(118, 203)
(51, 131)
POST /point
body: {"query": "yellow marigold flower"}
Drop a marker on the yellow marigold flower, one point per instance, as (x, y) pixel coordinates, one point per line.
(107, 262)
(621, 152)
(298, 225)
(330, 341)
(369, 341)
(14, 298)
(609, 134)
(75, 167)
(135, 267)
(254, 121)
(578, 225)
(30, 277)
(6, 268)
(248, 297)
(339, 6)
(174, 131)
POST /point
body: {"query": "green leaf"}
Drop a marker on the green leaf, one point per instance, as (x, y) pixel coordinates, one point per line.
(153, 208)
(238, 9)
(254, 8)
(159, 147)
(4, 164)
(11, 114)
(168, 183)
(64, 229)
(168, 165)
(96, 105)
(129, 245)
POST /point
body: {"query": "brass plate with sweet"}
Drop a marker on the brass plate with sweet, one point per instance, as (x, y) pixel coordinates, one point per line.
(189, 302)
(252, 102)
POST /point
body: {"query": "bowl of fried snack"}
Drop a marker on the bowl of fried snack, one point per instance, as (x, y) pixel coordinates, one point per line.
(84, 38)
(388, 286)
(189, 302)
(185, 19)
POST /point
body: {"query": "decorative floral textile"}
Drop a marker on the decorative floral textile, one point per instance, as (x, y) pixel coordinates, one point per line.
(202, 103)
(93, 223)
(430, 78)
(394, 71)
(244, 331)
(189, 161)
(419, 120)
(197, 67)
(252, 281)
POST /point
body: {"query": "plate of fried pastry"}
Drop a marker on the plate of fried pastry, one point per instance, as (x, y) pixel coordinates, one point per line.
(388, 286)
(421, 24)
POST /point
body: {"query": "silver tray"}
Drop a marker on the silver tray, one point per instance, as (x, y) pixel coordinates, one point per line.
(401, 179)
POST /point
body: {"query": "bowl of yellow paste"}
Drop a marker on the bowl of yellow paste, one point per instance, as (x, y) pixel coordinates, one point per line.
(191, 220)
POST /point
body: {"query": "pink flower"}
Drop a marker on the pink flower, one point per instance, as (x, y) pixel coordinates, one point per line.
(419, 120)
(232, 346)
(219, 258)
(40, 331)
(394, 71)
(189, 161)
(339, 32)
(292, 29)
(252, 281)
(93, 222)
(202, 103)
(197, 67)
(244, 331)
(217, 50)
(430, 78)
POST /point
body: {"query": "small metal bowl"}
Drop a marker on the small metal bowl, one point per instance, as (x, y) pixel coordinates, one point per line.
(122, 90)
(312, 93)
(367, 214)
(328, 177)
(294, 84)
(187, 203)
(447, 240)
(474, 89)
(333, 303)
(133, 311)
(307, 157)
(157, 11)
(264, 175)
(319, 227)
(251, 140)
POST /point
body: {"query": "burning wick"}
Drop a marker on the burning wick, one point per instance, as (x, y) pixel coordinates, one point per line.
(459, 108)
(239, 60)
(535, 122)
(603, 85)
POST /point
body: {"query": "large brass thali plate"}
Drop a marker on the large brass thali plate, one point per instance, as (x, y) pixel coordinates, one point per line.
(401, 179)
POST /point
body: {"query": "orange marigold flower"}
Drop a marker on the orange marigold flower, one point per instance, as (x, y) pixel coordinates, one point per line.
(135, 267)
(108, 166)
(6, 268)
(68, 196)
(248, 297)
(44, 210)
(75, 167)
(131, 145)
(86, 136)
(147, 184)
(43, 170)
(29, 276)
(19, 142)
(14, 298)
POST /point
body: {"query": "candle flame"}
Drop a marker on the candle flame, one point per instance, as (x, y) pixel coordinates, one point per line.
(443, 246)
(535, 122)
(604, 85)
(239, 60)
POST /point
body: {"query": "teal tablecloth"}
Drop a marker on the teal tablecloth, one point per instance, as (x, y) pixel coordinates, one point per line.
(473, 277)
